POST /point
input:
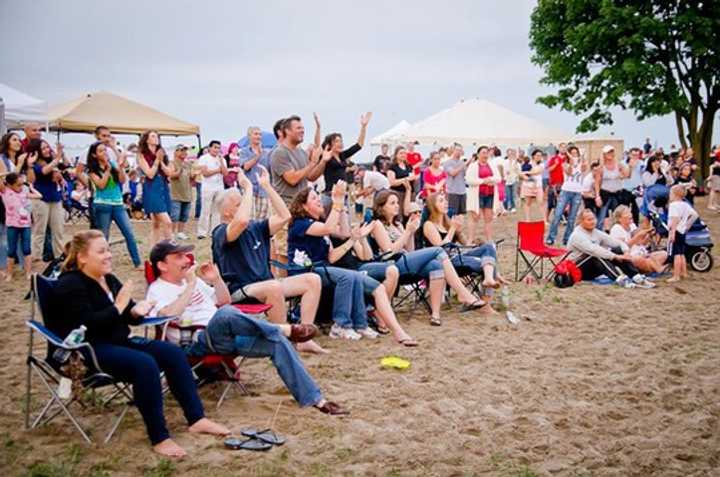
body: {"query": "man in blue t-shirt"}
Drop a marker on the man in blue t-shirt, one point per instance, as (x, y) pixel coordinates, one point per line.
(241, 249)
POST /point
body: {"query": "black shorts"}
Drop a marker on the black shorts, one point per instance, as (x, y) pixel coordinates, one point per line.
(590, 204)
(678, 245)
(457, 203)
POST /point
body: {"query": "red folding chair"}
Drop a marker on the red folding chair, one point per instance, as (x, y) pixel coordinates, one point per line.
(530, 240)
(218, 367)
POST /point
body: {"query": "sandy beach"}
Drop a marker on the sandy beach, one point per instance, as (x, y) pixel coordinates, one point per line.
(594, 380)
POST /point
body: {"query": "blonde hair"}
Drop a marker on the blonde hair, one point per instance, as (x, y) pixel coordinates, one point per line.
(679, 191)
(79, 244)
(619, 211)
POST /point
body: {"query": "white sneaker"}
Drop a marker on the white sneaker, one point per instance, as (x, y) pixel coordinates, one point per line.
(641, 281)
(368, 333)
(181, 236)
(337, 332)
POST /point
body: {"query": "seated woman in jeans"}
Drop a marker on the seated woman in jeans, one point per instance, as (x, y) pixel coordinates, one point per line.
(432, 263)
(439, 230)
(92, 296)
(308, 237)
(107, 177)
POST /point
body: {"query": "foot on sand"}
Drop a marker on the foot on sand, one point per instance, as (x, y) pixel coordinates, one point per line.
(311, 347)
(169, 448)
(206, 426)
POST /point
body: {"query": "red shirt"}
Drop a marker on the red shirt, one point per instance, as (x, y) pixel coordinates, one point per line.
(485, 171)
(413, 158)
(430, 179)
(556, 175)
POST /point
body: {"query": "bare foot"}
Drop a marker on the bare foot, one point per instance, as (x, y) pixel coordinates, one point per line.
(169, 448)
(487, 310)
(311, 347)
(8, 278)
(206, 426)
(490, 283)
(673, 280)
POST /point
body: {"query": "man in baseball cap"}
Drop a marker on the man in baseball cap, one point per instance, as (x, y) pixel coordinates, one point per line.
(196, 294)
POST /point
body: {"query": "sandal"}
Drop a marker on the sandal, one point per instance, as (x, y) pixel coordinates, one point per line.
(435, 321)
(251, 444)
(382, 330)
(472, 306)
(408, 342)
(265, 435)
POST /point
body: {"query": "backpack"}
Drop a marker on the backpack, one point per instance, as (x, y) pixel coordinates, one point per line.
(566, 274)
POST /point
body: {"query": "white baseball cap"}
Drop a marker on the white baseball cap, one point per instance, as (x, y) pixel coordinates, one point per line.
(607, 148)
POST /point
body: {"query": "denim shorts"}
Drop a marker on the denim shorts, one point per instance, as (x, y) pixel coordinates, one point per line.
(179, 211)
(486, 201)
(15, 236)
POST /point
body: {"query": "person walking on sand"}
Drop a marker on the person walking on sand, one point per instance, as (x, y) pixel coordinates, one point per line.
(213, 169)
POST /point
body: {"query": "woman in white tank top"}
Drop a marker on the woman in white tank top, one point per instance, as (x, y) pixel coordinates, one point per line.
(608, 184)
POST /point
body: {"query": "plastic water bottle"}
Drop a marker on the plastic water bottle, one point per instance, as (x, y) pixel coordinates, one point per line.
(505, 296)
(75, 337)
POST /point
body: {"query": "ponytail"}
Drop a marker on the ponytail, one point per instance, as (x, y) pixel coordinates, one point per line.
(79, 243)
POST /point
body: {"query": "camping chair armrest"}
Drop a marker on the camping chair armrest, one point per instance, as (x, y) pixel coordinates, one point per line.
(55, 340)
(156, 320)
(290, 267)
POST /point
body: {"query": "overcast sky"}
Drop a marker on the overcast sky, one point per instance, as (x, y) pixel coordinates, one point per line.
(226, 65)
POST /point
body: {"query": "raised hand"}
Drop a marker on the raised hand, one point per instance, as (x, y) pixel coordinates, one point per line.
(191, 276)
(209, 272)
(365, 119)
(356, 233)
(314, 152)
(414, 223)
(326, 154)
(366, 229)
(263, 177)
(338, 191)
(122, 299)
(31, 159)
(243, 180)
(317, 119)
(160, 154)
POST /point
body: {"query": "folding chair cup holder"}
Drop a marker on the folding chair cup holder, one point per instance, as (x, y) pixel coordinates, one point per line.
(49, 373)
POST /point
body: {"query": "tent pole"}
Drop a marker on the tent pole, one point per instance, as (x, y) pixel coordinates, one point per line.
(199, 143)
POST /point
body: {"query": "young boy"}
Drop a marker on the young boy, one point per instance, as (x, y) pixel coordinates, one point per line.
(681, 216)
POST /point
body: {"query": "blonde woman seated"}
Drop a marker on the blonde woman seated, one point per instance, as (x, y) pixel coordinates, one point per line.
(637, 240)
(431, 263)
(440, 230)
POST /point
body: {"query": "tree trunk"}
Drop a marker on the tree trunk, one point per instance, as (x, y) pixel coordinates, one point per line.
(681, 128)
(703, 146)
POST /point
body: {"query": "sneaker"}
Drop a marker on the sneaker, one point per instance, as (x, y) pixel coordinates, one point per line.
(549, 243)
(624, 282)
(368, 333)
(181, 236)
(338, 332)
(641, 281)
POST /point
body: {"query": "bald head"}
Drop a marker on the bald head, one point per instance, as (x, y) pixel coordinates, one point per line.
(229, 202)
(32, 130)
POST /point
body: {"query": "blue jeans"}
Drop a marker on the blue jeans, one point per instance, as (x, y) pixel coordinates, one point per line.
(348, 297)
(425, 262)
(198, 200)
(565, 198)
(510, 191)
(610, 200)
(104, 214)
(475, 259)
(179, 211)
(232, 332)
(18, 236)
(139, 362)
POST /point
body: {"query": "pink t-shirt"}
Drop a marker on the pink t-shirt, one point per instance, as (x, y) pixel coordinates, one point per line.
(431, 179)
(485, 171)
(17, 207)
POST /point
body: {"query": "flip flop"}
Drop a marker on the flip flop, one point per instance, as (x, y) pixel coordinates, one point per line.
(265, 435)
(435, 321)
(252, 444)
(472, 306)
(408, 343)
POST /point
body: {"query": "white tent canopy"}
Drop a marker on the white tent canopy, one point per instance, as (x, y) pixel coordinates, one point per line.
(390, 135)
(478, 121)
(21, 108)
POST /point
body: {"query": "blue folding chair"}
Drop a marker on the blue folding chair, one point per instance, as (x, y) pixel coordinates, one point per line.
(49, 370)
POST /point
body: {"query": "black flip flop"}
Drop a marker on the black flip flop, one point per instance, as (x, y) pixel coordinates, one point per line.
(473, 306)
(265, 435)
(251, 444)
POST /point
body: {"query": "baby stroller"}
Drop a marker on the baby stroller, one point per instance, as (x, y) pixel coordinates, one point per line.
(697, 239)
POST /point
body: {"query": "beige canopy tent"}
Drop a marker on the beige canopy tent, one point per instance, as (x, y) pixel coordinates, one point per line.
(119, 114)
(591, 147)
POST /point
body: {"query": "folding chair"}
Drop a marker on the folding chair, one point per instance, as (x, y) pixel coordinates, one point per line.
(214, 366)
(49, 370)
(530, 239)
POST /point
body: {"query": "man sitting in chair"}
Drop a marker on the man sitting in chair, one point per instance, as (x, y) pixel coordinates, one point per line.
(597, 253)
(178, 292)
(241, 249)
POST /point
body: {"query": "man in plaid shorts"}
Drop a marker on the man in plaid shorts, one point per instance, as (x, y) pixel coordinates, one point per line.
(251, 157)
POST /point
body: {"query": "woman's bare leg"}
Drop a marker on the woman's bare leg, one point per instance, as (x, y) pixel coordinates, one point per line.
(392, 276)
(437, 288)
(487, 223)
(386, 313)
(452, 279)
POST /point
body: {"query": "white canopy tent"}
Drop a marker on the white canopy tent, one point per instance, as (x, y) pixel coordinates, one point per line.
(389, 135)
(22, 108)
(478, 121)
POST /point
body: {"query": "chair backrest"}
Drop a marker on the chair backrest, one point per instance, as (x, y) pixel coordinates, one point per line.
(531, 235)
(150, 273)
(44, 296)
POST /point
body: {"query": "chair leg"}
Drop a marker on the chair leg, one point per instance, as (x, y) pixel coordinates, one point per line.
(117, 423)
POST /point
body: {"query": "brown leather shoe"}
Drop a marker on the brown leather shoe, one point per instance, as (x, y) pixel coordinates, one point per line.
(302, 333)
(332, 409)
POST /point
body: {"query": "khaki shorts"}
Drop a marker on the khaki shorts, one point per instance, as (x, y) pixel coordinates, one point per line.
(279, 241)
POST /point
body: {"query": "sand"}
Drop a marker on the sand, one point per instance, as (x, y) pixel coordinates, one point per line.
(595, 380)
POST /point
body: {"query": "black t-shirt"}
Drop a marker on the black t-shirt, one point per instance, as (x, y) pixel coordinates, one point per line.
(400, 173)
(335, 168)
(381, 163)
(245, 260)
(349, 260)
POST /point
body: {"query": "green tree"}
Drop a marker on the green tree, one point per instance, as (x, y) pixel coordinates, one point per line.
(655, 57)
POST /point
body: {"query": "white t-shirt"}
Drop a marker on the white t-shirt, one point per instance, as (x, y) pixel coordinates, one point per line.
(588, 183)
(574, 181)
(376, 180)
(200, 309)
(684, 212)
(619, 233)
(511, 169)
(538, 178)
(212, 183)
